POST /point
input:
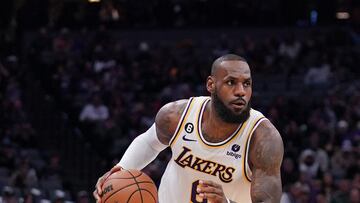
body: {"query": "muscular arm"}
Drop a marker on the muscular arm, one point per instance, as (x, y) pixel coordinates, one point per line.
(146, 147)
(167, 120)
(266, 153)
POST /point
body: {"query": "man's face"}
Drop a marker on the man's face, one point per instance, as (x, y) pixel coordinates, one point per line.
(231, 89)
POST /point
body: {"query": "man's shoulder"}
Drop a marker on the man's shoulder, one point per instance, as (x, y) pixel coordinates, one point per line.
(267, 130)
(173, 109)
(167, 119)
(176, 108)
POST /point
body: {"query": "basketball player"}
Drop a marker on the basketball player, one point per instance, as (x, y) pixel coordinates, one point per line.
(223, 151)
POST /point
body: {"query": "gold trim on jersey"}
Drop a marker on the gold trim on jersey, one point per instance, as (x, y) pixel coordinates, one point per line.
(237, 132)
(181, 121)
(246, 146)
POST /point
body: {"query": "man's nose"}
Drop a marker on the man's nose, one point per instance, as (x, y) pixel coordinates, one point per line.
(239, 90)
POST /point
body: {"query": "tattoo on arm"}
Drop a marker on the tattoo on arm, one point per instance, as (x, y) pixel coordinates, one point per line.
(266, 155)
(167, 119)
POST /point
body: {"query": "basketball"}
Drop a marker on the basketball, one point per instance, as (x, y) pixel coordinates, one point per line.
(131, 186)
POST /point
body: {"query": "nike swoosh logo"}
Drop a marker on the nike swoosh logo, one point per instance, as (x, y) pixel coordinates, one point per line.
(187, 139)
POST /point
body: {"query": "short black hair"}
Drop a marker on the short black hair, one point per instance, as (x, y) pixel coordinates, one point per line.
(227, 57)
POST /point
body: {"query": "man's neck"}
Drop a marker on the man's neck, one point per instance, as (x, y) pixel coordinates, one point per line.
(214, 129)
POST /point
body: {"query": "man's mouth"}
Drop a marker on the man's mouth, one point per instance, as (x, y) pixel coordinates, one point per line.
(238, 104)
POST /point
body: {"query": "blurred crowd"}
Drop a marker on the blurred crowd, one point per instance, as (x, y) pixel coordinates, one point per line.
(16, 133)
(307, 84)
(28, 173)
(173, 13)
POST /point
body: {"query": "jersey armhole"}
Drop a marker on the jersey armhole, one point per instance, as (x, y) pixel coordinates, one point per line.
(181, 121)
(247, 169)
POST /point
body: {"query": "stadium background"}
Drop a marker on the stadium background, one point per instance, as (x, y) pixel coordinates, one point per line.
(61, 59)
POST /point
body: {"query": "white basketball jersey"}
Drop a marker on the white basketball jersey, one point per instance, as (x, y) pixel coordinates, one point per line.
(194, 159)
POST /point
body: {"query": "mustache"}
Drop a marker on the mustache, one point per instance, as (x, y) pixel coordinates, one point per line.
(239, 100)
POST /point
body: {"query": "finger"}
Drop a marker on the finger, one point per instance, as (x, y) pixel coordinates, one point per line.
(115, 169)
(96, 196)
(99, 185)
(211, 196)
(102, 179)
(100, 182)
(209, 183)
(209, 189)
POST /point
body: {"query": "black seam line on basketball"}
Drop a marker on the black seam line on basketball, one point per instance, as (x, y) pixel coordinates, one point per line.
(131, 196)
(150, 194)
(133, 183)
(137, 183)
(124, 188)
(125, 178)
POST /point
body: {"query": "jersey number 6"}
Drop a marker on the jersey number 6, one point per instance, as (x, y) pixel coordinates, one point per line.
(195, 198)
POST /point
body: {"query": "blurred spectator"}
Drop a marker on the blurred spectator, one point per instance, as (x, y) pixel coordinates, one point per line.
(8, 195)
(82, 197)
(32, 195)
(59, 196)
(7, 156)
(342, 195)
(290, 47)
(328, 186)
(289, 172)
(318, 75)
(308, 164)
(354, 195)
(25, 176)
(53, 167)
(321, 156)
(94, 111)
(321, 198)
(298, 193)
(342, 160)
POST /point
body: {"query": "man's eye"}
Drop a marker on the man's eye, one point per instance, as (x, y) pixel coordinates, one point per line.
(230, 82)
(247, 84)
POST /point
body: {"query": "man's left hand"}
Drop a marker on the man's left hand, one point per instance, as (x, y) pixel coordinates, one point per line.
(211, 191)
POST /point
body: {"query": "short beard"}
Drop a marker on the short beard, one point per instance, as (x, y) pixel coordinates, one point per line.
(226, 114)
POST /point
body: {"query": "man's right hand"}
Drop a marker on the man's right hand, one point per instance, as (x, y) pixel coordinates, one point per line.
(98, 188)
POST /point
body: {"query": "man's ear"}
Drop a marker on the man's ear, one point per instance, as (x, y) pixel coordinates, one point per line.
(210, 84)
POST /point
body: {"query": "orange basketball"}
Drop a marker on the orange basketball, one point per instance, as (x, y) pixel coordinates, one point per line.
(131, 186)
